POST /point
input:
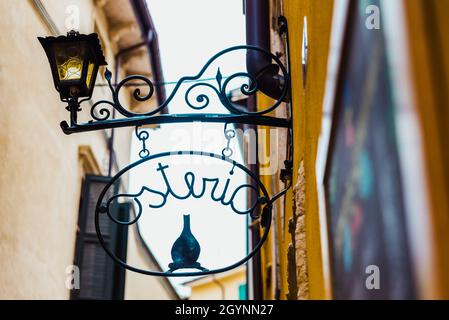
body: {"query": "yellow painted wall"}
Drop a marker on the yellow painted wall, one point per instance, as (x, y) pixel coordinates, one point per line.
(307, 113)
(208, 288)
(267, 256)
(307, 102)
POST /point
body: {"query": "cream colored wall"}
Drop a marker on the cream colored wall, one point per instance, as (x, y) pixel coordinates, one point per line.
(60, 10)
(40, 173)
(207, 289)
(39, 177)
(140, 286)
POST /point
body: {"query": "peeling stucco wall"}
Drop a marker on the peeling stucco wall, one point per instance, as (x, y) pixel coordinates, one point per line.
(298, 278)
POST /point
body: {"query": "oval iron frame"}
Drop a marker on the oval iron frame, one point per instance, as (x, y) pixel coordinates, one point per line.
(264, 217)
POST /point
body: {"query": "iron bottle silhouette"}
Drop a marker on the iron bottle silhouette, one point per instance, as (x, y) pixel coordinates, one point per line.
(186, 249)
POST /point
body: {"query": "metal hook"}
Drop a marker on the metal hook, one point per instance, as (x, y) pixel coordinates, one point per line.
(143, 137)
(229, 135)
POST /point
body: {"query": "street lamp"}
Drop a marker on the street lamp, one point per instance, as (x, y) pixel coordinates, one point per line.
(74, 61)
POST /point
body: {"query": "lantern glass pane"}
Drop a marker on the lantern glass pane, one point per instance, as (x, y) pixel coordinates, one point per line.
(69, 60)
(90, 70)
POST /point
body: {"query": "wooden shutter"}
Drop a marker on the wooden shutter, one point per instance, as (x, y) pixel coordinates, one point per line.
(100, 276)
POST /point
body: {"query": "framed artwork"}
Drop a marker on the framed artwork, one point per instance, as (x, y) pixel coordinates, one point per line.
(366, 234)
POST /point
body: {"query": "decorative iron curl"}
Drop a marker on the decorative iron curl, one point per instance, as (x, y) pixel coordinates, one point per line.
(103, 113)
(136, 95)
(247, 89)
(201, 98)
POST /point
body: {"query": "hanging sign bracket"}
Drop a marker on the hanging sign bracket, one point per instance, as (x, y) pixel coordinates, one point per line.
(76, 86)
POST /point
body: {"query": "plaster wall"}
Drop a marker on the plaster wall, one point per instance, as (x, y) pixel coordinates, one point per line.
(40, 168)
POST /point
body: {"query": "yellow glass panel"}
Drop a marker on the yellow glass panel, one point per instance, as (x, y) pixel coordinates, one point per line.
(71, 69)
(69, 60)
(90, 70)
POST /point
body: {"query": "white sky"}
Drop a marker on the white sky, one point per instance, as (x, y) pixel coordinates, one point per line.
(190, 32)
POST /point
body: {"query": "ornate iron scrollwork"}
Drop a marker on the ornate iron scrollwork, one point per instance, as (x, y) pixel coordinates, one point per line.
(101, 113)
(186, 249)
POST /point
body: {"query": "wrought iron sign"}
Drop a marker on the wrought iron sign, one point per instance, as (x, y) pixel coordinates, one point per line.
(75, 60)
